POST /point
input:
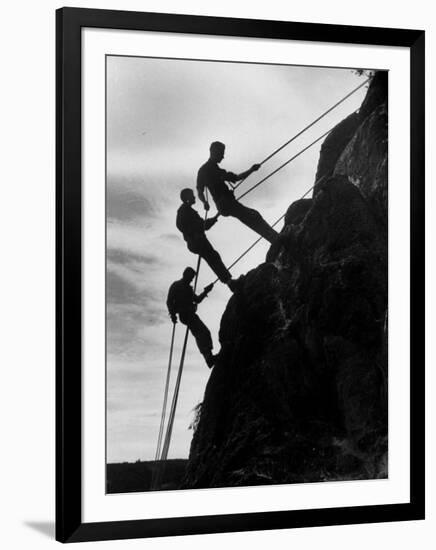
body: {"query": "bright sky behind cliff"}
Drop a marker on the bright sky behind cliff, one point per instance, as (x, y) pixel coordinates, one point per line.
(161, 117)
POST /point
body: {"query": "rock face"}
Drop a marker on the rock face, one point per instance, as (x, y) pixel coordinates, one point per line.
(299, 392)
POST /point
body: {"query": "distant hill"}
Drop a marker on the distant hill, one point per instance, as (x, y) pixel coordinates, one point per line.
(135, 477)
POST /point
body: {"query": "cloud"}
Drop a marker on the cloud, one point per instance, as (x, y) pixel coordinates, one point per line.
(125, 205)
(173, 237)
(122, 256)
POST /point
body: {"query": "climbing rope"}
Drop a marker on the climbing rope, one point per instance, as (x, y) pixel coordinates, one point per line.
(164, 406)
(166, 446)
(298, 134)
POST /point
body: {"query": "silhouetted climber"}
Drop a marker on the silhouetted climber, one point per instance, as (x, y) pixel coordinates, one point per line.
(183, 301)
(193, 228)
(212, 177)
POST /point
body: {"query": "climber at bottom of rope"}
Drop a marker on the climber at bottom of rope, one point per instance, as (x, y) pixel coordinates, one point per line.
(183, 301)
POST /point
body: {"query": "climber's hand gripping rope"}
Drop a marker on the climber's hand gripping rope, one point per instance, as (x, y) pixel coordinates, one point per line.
(207, 289)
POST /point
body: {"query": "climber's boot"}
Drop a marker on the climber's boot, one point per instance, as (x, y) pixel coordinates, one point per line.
(210, 360)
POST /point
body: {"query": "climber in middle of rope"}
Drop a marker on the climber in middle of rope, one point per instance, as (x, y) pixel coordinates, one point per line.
(212, 177)
(193, 229)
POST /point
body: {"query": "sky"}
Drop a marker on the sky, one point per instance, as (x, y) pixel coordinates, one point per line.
(162, 115)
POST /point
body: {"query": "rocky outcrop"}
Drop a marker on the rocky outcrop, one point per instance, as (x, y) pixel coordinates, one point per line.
(358, 148)
(365, 161)
(299, 391)
(334, 144)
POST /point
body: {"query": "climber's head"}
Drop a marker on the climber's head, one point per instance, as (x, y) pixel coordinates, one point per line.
(217, 151)
(188, 274)
(187, 196)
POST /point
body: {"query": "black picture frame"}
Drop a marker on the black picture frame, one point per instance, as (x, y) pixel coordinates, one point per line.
(69, 525)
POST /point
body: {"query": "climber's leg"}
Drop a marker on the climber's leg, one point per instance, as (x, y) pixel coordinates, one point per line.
(250, 217)
(213, 259)
(202, 336)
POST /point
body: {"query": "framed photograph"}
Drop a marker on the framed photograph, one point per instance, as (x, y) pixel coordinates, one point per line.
(240, 275)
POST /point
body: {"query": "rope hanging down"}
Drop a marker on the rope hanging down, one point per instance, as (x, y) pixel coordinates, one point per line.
(155, 473)
(308, 126)
(169, 433)
(164, 406)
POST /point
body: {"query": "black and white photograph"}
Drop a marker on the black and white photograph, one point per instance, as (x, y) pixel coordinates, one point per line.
(246, 274)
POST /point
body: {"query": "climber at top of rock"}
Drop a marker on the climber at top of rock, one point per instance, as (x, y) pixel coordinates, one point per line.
(182, 301)
(193, 229)
(212, 177)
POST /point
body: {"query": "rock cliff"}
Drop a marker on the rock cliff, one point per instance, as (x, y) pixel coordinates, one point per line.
(299, 391)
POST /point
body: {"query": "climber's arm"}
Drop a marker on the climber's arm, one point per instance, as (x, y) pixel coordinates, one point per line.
(245, 174)
(210, 222)
(171, 304)
(200, 189)
(233, 178)
(200, 297)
